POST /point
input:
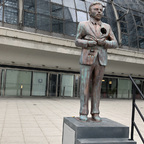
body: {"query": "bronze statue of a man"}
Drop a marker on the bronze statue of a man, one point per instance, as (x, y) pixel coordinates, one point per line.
(95, 37)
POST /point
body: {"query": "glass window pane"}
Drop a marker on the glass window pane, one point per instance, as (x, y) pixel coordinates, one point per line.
(52, 84)
(125, 40)
(124, 88)
(138, 20)
(70, 28)
(57, 1)
(80, 5)
(39, 84)
(43, 22)
(112, 87)
(87, 6)
(14, 80)
(1, 12)
(69, 14)
(123, 27)
(29, 19)
(12, 3)
(57, 11)
(10, 15)
(104, 19)
(141, 43)
(29, 5)
(140, 31)
(69, 3)
(67, 85)
(82, 16)
(2, 82)
(120, 13)
(57, 26)
(43, 7)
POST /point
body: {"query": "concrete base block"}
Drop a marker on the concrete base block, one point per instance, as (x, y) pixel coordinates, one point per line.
(76, 131)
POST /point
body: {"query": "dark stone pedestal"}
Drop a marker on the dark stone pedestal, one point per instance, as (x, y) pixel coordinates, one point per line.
(91, 132)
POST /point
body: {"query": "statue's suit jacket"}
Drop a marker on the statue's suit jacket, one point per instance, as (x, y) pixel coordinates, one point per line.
(87, 32)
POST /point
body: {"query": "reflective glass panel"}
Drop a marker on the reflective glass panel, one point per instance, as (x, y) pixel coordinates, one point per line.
(140, 31)
(52, 84)
(104, 88)
(15, 80)
(123, 27)
(69, 14)
(69, 3)
(132, 30)
(43, 22)
(57, 26)
(57, 1)
(10, 15)
(138, 20)
(125, 40)
(70, 28)
(29, 19)
(112, 87)
(80, 5)
(12, 3)
(124, 88)
(67, 85)
(141, 43)
(29, 5)
(57, 11)
(87, 6)
(104, 19)
(1, 12)
(2, 82)
(82, 16)
(43, 7)
(120, 13)
(39, 84)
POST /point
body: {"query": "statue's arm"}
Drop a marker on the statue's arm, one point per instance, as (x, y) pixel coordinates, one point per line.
(82, 39)
(112, 43)
(80, 42)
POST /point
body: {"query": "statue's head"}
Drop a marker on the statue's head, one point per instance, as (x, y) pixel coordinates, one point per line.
(96, 10)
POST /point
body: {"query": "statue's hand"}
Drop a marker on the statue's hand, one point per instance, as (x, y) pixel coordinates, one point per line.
(92, 43)
(101, 42)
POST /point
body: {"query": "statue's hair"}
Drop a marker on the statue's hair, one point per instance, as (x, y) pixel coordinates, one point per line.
(95, 3)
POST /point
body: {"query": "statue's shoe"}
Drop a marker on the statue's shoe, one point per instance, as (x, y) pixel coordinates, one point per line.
(96, 118)
(83, 117)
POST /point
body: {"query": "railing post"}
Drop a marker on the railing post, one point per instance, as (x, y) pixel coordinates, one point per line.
(133, 110)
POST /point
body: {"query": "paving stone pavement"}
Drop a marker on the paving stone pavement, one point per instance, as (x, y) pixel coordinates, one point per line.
(39, 120)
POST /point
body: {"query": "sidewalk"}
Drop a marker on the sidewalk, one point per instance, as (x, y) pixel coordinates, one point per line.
(39, 120)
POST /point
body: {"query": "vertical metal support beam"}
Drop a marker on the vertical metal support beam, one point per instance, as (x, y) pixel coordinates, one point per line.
(133, 111)
(47, 91)
(20, 13)
(57, 86)
(118, 24)
(31, 83)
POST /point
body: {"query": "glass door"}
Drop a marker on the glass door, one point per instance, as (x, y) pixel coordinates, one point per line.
(39, 84)
(52, 85)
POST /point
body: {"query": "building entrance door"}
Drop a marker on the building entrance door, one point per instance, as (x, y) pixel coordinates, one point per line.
(39, 84)
(53, 85)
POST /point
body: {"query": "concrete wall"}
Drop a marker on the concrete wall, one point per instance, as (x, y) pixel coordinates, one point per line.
(37, 50)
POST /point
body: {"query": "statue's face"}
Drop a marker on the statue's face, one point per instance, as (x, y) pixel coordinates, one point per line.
(96, 11)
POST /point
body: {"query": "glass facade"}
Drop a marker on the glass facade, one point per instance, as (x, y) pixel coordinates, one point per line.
(63, 16)
(57, 84)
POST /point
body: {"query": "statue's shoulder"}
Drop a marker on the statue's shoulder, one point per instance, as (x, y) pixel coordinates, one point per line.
(83, 23)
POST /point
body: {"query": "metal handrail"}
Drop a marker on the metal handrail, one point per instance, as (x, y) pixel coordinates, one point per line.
(134, 106)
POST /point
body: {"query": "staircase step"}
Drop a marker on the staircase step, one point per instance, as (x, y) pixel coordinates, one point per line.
(105, 141)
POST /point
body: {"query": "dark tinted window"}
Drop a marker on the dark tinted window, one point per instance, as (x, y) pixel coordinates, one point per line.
(57, 25)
